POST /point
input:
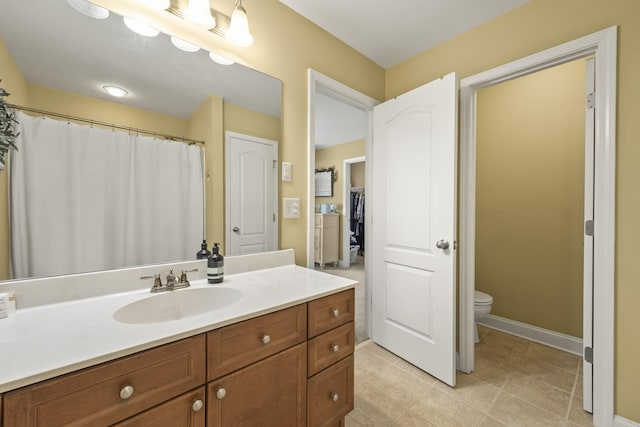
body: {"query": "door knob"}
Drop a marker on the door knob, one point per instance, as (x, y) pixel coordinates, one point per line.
(442, 244)
(236, 229)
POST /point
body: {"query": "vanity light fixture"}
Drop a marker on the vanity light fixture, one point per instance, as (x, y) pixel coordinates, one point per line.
(219, 59)
(116, 91)
(238, 31)
(199, 12)
(183, 45)
(89, 9)
(140, 28)
(157, 4)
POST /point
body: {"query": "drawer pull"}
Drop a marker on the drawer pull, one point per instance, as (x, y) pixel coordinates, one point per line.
(335, 312)
(266, 339)
(197, 405)
(126, 392)
(335, 348)
(221, 393)
(335, 397)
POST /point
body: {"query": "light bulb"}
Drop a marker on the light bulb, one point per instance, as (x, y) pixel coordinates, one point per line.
(89, 9)
(199, 12)
(219, 59)
(140, 28)
(183, 45)
(116, 91)
(238, 31)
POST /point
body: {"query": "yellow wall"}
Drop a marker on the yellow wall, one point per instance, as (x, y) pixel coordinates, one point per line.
(335, 156)
(248, 122)
(535, 26)
(530, 197)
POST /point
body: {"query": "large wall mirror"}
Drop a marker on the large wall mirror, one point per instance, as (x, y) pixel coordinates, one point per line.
(65, 59)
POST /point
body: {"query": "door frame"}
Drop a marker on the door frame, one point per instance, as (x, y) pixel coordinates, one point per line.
(229, 194)
(345, 262)
(602, 45)
(320, 83)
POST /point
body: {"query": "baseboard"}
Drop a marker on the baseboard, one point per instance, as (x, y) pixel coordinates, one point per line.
(533, 333)
(619, 421)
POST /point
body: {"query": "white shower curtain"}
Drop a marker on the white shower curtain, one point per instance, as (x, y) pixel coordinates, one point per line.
(84, 198)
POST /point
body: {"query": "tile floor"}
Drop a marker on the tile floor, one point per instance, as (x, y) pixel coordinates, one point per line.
(516, 383)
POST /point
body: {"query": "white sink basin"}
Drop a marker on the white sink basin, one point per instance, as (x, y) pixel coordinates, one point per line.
(175, 305)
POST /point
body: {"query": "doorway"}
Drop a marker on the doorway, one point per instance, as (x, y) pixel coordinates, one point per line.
(324, 89)
(602, 46)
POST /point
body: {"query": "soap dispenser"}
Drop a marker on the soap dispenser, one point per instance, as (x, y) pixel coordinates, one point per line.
(203, 253)
(215, 265)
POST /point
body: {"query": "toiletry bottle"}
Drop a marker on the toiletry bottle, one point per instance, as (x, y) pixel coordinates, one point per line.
(203, 253)
(215, 266)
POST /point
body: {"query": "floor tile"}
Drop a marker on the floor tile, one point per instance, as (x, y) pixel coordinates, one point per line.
(579, 386)
(546, 373)
(444, 409)
(538, 393)
(552, 356)
(577, 415)
(516, 412)
(490, 371)
(472, 391)
(491, 422)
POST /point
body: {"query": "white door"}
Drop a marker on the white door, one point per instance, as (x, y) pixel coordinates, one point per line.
(252, 192)
(413, 226)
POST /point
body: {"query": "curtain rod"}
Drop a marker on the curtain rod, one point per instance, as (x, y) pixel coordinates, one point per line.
(107, 125)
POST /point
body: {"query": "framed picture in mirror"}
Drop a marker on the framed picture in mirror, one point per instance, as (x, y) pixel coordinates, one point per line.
(324, 182)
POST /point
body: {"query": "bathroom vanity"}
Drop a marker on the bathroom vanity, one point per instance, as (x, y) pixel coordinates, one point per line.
(280, 354)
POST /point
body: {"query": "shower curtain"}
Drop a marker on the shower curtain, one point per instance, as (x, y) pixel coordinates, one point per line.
(84, 198)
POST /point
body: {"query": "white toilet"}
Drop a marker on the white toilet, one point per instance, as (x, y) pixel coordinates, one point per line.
(481, 307)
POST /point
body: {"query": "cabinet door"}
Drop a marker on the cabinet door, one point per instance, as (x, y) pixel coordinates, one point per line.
(331, 311)
(270, 393)
(107, 393)
(183, 411)
(330, 395)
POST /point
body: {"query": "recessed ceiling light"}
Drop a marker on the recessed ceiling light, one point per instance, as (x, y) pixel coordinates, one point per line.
(140, 28)
(183, 45)
(222, 60)
(116, 91)
(89, 9)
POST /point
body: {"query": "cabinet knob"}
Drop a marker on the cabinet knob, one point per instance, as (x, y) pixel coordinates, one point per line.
(335, 312)
(335, 397)
(197, 405)
(335, 348)
(221, 393)
(126, 392)
(266, 339)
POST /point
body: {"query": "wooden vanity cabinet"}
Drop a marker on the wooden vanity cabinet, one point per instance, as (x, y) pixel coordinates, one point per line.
(111, 392)
(330, 386)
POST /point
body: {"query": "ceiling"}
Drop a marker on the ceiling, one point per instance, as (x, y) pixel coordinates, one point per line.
(387, 32)
(56, 46)
(391, 31)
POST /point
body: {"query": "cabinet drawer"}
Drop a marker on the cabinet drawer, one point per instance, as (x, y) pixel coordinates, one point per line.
(328, 348)
(330, 394)
(183, 411)
(269, 393)
(331, 311)
(92, 397)
(236, 346)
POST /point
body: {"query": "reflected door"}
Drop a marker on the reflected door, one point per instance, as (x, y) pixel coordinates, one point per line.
(252, 191)
(413, 226)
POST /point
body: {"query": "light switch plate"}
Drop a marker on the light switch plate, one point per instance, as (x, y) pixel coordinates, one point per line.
(286, 171)
(291, 207)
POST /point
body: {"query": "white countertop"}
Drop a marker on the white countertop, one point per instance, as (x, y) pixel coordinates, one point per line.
(45, 341)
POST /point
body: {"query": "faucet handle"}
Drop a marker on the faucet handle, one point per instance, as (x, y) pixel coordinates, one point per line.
(171, 278)
(183, 275)
(157, 282)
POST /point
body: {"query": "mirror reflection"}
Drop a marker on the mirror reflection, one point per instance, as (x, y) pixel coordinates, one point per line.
(57, 60)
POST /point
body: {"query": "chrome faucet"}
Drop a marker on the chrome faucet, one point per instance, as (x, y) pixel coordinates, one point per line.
(173, 282)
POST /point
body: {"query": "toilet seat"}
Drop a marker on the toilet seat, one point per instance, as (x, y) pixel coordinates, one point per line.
(481, 298)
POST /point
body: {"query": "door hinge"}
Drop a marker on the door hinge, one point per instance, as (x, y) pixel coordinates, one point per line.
(588, 354)
(275, 164)
(591, 101)
(588, 227)
(274, 217)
